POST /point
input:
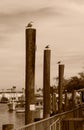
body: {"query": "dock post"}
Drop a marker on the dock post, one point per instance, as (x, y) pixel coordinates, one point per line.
(73, 102)
(73, 97)
(30, 75)
(60, 87)
(46, 83)
(66, 101)
(7, 127)
(54, 103)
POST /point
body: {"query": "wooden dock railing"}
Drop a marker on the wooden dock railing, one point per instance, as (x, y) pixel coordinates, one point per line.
(55, 122)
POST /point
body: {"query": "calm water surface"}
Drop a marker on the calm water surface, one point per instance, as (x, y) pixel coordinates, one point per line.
(7, 117)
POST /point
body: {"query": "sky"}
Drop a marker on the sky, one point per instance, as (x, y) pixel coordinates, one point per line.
(58, 23)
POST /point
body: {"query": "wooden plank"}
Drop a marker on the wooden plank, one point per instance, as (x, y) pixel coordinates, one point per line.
(73, 124)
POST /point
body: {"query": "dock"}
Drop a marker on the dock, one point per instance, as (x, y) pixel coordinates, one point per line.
(57, 114)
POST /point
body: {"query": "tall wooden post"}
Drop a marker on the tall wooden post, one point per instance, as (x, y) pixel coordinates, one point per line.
(82, 96)
(54, 103)
(46, 84)
(66, 101)
(60, 87)
(30, 75)
(73, 97)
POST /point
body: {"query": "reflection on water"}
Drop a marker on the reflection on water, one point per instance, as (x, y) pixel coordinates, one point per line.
(7, 117)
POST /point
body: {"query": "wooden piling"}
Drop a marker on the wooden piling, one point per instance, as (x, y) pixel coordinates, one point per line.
(30, 75)
(66, 101)
(54, 103)
(74, 102)
(60, 87)
(82, 96)
(73, 97)
(46, 84)
(7, 127)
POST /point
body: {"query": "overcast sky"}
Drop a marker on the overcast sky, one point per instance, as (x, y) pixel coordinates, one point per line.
(59, 23)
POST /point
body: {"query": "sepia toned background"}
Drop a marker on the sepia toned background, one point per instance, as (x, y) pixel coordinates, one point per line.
(59, 23)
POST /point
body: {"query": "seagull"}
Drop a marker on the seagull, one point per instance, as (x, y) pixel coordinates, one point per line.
(47, 46)
(58, 62)
(30, 24)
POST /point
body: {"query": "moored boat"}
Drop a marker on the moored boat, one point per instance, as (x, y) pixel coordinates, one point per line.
(12, 105)
(20, 110)
(20, 107)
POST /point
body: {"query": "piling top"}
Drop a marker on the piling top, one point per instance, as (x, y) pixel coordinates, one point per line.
(30, 28)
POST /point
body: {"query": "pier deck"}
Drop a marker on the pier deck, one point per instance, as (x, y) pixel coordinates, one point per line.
(69, 120)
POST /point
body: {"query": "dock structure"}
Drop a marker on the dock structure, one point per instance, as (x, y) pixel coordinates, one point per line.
(30, 74)
(60, 120)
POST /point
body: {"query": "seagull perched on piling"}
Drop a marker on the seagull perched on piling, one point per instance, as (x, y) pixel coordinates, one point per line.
(58, 62)
(47, 47)
(30, 24)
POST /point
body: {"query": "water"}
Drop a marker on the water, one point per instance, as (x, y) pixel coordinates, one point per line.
(6, 117)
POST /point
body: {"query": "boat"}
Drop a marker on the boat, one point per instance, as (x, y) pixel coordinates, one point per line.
(15, 102)
(20, 110)
(20, 107)
(4, 99)
(11, 105)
